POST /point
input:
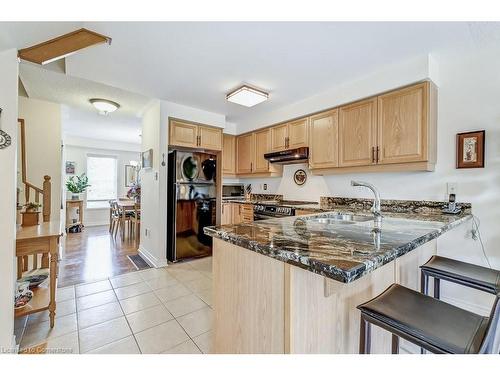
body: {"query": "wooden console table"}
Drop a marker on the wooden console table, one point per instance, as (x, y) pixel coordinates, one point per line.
(33, 240)
(79, 205)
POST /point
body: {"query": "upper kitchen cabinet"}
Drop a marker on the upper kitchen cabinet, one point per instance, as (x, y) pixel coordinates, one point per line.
(245, 153)
(407, 125)
(290, 135)
(323, 140)
(228, 154)
(183, 134)
(262, 146)
(186, 134)
(358, 133)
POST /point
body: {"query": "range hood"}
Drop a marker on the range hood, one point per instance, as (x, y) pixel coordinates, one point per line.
(294, 156)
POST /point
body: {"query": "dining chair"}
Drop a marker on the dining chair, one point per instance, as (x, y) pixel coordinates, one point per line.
(135, 219)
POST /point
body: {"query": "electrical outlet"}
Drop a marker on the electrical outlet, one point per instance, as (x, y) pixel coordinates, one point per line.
(146, 232)
(452, 188)
(265, 186)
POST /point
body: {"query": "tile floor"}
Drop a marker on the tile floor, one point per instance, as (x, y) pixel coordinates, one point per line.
(164, 310)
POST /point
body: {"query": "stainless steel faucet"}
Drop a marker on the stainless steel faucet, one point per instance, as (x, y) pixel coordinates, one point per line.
(376, 203)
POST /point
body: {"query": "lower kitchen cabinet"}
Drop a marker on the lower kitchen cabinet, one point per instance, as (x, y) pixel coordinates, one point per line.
(227, 214)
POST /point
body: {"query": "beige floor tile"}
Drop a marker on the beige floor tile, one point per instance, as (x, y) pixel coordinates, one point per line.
(184, 305)
(62, 309)
(206, 296)
(162, 282)
(104, 333)
(202, 264)
(91, 288)
(198, 285)
(99, 314)
(132, 290)
(207, 274)
(39, 333)
(152, 273)
(126, 279)
(160, 338)
(122, 346)
(144, 319)
(205, 342)
(184, 275)
(179, 265)
(140, 302)
(96, 299)
(65, 344)
(64, 294)
(172, 292)
(197, 322)
(188, 347)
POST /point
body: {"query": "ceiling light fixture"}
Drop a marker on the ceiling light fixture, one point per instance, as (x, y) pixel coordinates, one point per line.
(104, 106)
(247, 96)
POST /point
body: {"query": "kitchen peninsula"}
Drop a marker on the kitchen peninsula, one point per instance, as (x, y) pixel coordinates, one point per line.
(291, 285)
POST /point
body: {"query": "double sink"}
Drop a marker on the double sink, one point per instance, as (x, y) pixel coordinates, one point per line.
(341, 219)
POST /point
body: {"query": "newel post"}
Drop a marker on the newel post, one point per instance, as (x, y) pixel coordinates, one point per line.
(46, 198)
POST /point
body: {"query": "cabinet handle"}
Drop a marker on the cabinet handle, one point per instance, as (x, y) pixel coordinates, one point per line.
(223, 208)
(378, 154)
(287, 142)
(373, 154)
(251, 167)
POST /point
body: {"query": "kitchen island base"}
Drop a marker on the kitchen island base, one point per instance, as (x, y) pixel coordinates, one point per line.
(263, 305)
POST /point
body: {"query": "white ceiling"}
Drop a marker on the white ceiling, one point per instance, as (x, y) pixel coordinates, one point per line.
(196, 64)
(80, 118)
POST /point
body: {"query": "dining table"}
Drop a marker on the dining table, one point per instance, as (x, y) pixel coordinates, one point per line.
(125, 205)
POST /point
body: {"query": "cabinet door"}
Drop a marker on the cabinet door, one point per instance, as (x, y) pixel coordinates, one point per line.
(298, 133)
(210, 138)
(245, 153)
(237, 213)
(262, 145)
(403, 125)
(358, 133)
(229, 154)
(323, 140)
(278, 137)
(183, 134)
(227, 214)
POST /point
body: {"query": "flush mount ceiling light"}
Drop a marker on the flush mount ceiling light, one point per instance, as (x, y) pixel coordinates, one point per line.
(104, 106)
(247, 96)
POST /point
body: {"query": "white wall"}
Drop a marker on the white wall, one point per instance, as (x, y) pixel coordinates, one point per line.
(42, 122)
(8, 122)
(469, 83)
(154, 182)
(78, 154)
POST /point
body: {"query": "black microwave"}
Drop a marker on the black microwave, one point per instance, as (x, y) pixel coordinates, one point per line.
(233, 190)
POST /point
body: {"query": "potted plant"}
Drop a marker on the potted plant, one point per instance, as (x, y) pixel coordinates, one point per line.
(77, 185)
(135, 192)
(31, 214)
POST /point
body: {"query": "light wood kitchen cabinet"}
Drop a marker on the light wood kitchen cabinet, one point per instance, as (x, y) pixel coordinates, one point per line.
(358, 133)
(245, 153)
(323, 140)
(183, 134)
(228, 154)
(246, 213)
(186, 134)
(298, 133)
(227, 213)
(403, 125)
(237, 215)
(290, 135)
(262, 146)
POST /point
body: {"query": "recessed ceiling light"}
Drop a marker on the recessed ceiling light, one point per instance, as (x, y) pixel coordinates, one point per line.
(247, 96)
(104, 106)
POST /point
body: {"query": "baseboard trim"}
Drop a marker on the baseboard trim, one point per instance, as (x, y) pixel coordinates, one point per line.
(151, 259)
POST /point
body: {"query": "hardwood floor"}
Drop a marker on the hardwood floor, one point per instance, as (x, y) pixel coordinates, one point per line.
(92, 255)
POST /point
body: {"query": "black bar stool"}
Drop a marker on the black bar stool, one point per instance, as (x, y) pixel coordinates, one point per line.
(455, 271)
(429, 323)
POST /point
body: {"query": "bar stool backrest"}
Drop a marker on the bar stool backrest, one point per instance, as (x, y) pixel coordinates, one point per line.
(491, 342)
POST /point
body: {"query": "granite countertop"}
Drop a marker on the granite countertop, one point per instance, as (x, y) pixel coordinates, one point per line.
(339, 250)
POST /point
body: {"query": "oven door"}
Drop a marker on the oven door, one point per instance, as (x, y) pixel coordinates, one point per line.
(260, 216)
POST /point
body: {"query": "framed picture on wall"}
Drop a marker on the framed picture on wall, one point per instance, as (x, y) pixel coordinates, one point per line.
(70, 167)
(470, 149)
(147, 158)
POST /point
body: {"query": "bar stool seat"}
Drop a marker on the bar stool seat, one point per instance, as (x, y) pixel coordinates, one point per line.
(467, 274)
(425, 321)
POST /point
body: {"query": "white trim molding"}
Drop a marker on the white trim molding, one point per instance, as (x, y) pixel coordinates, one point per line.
(151, 259)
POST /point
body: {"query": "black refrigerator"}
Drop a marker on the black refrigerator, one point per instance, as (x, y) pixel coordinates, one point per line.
(191, 205)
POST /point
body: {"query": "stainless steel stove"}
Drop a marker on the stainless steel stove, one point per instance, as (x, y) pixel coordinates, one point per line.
(273, 209)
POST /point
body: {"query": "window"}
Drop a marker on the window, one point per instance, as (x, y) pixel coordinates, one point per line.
(102, 174)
